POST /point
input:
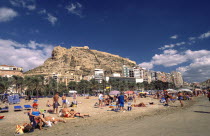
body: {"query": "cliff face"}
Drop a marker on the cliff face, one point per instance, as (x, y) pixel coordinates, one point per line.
(80, 61)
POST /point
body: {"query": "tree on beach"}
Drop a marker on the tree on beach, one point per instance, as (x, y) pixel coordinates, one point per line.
(139, 85)
(5, 83)
(83, 86)
(131, 85)
(18, 81)
(35, 83)
(94, 85)
(72, 85)
(62, 88)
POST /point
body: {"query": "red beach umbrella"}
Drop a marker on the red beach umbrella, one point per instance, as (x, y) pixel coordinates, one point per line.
(129, 92)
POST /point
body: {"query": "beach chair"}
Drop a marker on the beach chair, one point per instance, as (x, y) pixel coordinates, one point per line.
(35, 122)
(18, 108)
(27, 107)
(5, 109)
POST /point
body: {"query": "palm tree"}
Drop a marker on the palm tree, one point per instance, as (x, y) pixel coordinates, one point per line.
(18, 81)
(140, 85)
(5, 83)
(94, 85)
(131, 85)
(35, 83)
(51, 86)
(72, 85)
(83, 85)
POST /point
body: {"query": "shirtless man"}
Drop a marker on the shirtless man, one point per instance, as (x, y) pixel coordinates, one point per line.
(72, 114)
(55, 103)
(180, 98)
(63, 100)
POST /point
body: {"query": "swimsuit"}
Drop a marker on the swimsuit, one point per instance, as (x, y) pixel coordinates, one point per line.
(55, 105)
(35, 113)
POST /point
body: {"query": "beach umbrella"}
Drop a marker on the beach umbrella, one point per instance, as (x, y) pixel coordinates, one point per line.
(129, 92)
(185, 90)
(114, 92)
(172, 91)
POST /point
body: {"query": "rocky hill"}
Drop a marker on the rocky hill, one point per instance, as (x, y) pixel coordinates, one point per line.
(206, 83)
(80, 62)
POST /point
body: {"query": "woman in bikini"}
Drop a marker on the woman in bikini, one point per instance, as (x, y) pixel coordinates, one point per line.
(37, 114)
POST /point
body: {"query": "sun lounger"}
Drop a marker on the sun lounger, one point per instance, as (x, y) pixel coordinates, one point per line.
(27, 107)
(18, 108)
(6, 109)
(35, 101)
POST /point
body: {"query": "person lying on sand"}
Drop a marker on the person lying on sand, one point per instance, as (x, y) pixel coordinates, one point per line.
(54, 120)
(64, 112)
(73, 114)
(140, 105)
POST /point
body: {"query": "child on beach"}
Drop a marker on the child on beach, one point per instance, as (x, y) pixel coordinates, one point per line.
(129, 106)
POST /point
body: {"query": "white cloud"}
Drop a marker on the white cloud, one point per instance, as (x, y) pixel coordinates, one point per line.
(174, 37)
(7, 14)
(171, 45)
(31, 7)
(197, 63)
(42, 11)
(192, 38)
(147, 65)
(168, 59)
(205, 35)
(29, 4)
(198, 70)
(75, 8)
(27, 56)
(52, 19)
(171, 51)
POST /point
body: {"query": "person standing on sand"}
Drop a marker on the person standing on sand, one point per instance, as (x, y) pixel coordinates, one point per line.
(180, 98)
(134, 98)
(63, 100)
(74, 98)
(166, 96)
(100, 99)
(55, 103)
(121, 101)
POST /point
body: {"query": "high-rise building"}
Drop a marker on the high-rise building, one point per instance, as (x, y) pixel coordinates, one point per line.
(177, 78)
(125, 71)
(99, 75)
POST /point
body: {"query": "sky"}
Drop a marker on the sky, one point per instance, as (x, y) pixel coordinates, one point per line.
(160, 35)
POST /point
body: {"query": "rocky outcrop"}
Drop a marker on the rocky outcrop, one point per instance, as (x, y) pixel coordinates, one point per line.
(80, 61)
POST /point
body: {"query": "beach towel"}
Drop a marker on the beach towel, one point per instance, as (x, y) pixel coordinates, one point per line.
(27, 106)
(17, 108)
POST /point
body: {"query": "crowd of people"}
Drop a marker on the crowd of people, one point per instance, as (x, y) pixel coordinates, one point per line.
(116, 102)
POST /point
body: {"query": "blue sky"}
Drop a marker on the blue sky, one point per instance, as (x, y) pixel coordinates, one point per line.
(161, 35)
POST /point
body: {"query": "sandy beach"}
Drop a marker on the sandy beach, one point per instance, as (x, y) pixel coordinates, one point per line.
(98, 116)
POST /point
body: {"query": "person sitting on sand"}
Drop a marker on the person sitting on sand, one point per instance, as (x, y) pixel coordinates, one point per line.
(48, 103)
(37, 114)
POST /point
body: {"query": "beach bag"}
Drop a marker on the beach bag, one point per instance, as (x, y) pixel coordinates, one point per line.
(162, 100)
(28, 128)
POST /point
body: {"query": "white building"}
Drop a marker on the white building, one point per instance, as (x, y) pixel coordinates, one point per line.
(99, 75)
